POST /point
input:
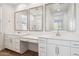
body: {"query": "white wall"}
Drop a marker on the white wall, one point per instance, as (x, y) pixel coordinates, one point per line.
(1, 34)
(7, 19)
(0, 19)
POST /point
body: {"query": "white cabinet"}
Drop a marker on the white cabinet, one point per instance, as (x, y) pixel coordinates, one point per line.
(8, 43)
(13, 43)
(42, 47)
(54, 47)
(51, 50)
(54, 50)
(74, 51)
(64, 51)
(74, 48)
(58, 48)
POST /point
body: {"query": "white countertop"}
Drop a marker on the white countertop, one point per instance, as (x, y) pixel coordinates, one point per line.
(63, 35)
(30, 37)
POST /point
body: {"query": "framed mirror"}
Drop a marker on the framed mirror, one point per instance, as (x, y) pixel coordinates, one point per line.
(21, 20)
(60, 16)
(36, 19)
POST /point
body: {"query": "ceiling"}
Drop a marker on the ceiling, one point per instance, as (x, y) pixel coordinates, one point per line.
(14, 4)
(58, 7)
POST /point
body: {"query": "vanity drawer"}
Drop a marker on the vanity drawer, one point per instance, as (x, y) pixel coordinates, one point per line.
(42, 45)
(11, 36)
(33, 40)
(75, 44)
(58, 42)
(74, 51)
(42, 52)
(30, 40)
(25, 40)
(41, 40)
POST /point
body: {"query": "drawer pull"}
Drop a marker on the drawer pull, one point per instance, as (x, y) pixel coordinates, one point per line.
(76, 44)
(57, 51)
(76, 54)
(42, 47)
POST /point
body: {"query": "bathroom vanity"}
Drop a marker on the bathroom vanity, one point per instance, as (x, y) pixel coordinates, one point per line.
(59, 45)
(18, 43)
(48, 45)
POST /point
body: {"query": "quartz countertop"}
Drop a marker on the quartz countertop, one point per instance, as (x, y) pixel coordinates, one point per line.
(30, 37)
(63, 36)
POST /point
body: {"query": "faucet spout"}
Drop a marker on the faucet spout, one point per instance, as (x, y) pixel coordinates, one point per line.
(58, 34)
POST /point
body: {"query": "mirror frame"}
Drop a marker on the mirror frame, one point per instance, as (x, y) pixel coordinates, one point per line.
(41, 18)
(15, 20)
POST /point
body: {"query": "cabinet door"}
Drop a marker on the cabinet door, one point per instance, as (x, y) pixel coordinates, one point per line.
(16, 45)
(8, 43)
(63, 51)
(51, 50)
(55, 50)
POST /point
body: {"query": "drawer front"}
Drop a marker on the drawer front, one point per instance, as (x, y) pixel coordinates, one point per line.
(74, 51)
(42, 40)
(58, 42)
(33, 40)
(25, 40)
(42, 47)
(11, 36)
(42, 54)
(30, 40)
(75, 44)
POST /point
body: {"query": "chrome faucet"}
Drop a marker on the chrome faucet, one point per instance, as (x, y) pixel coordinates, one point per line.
(58, 33)
(58, 30)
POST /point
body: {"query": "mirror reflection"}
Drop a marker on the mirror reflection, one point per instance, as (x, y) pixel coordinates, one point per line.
(60, 16)
(21, 20)
(36, 19)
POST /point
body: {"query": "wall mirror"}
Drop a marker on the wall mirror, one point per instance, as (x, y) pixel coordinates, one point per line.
(60, 16)
(20, 21)
(36, 15)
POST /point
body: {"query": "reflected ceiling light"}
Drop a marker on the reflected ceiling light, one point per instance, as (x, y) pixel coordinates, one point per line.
(22, 6)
